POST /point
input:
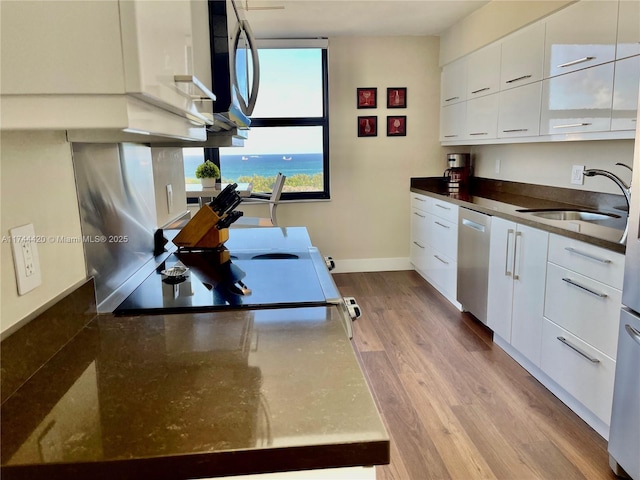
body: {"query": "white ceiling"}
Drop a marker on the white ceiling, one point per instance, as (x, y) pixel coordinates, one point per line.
(327, 18)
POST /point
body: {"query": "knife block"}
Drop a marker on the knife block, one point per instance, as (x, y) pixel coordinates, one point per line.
(201, 231)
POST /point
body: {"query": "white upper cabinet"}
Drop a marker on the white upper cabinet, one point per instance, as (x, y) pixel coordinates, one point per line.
(109, 65)
(519, 112)
(453, 121)
(482, 117)
(522, 57)
(578, 102)
(628, 29)
(454, 82)
(624, 115)
(580, 36)
(483, 71)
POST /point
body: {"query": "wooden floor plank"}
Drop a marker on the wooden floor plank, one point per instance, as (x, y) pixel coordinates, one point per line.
(456, 405)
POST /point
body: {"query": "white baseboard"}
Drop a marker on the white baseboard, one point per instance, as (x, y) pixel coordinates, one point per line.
(372, 265)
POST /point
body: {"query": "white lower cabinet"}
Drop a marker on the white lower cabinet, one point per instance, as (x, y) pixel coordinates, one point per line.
(517, 269)
(434, 243)
(583, 371)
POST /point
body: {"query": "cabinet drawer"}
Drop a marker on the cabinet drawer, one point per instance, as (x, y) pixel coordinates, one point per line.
(589, 381)
(586, 308)
(445, 210)
(443, 236)
(420, 202)
(598, 263)
(442, 271)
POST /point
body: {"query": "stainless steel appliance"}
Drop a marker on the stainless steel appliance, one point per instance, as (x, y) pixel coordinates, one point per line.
(234, 62)
(624, 434)
(474, 234)
(458, 171)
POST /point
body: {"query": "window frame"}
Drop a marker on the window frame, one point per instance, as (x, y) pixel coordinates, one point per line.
(213, 154)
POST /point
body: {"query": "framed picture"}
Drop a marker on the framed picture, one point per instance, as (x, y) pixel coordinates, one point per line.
(367, 97)
(397, 97)
(396, 126)
(368, 126)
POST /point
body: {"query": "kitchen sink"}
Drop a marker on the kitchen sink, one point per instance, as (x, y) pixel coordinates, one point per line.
(561, 214)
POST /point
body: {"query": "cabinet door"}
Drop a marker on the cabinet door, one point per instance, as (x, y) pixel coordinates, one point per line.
(419, 239)
(483, 71)
(522, 57)
(453, 121)
(454, 82)
(580, 36)
(156, 46)
(625, 94)
(578, 102)
(529, 277)
(519, 111)
(482, 117)
(628, 29)
(500, 293)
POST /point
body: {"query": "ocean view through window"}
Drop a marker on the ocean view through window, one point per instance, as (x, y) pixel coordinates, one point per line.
(289, 129)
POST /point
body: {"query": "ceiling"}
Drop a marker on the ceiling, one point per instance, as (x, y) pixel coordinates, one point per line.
(328, 18)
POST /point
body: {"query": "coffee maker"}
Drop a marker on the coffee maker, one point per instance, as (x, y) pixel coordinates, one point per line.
(459, 171)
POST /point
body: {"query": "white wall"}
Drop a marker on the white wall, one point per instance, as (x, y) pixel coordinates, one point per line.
(491, 22)
(38, 186)
(367, 217)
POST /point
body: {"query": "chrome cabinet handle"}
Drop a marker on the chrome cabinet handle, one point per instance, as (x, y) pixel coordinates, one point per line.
(419, 199)
(573, 347)
(442, 206)
(586, 289)
(482, 90)
(575, 62)
(480, 133)
(421, 216)
(474, 225)
(450, 136)
(587, 255)
(506, 259)
(418, 245)
(442, 225)
(443, 261)
(451, 98)
(633, 333)
(516, 276)
(569, 125)
(208, 94)
(516, 130)
(524, 77)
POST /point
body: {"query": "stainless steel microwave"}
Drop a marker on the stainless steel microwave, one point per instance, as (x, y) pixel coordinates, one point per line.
(235, 67)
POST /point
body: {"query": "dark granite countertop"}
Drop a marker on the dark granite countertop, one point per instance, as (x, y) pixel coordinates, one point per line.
(503, 199)
(198, 395)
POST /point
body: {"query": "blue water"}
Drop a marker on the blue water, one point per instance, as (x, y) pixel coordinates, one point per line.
(236, 166)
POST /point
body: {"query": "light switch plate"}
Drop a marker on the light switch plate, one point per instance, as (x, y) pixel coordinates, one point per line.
(577, 178)
(26, 261)
(169, 198)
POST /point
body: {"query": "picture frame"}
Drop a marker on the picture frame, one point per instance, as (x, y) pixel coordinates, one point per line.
(397, 97)
(396, 126)
(367, 97)
(368, 126)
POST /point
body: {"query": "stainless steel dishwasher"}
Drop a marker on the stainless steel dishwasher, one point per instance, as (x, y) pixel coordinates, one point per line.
(474, 232)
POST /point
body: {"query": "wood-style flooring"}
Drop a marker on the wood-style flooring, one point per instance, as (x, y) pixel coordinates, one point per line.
(455, 405)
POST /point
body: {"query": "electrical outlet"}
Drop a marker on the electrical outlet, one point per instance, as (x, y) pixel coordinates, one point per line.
(26, 261)
(497, 165)
(577, 177)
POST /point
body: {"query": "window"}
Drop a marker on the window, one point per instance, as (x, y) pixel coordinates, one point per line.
(289, 128)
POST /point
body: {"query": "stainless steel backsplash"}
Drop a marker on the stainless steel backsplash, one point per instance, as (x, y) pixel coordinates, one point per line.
(117, 209)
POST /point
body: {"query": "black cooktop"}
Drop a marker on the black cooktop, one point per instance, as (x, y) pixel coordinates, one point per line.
(274, 280)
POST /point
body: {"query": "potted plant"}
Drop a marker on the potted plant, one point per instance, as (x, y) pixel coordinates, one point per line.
(207, 172)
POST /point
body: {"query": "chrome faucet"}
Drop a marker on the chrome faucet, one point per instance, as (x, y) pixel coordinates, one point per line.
(626, 190)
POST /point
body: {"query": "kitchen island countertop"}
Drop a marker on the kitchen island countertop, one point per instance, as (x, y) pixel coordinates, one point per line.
(199, 395)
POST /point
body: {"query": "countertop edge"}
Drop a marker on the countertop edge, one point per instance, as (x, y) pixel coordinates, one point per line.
(526, 220)
(218, 464)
